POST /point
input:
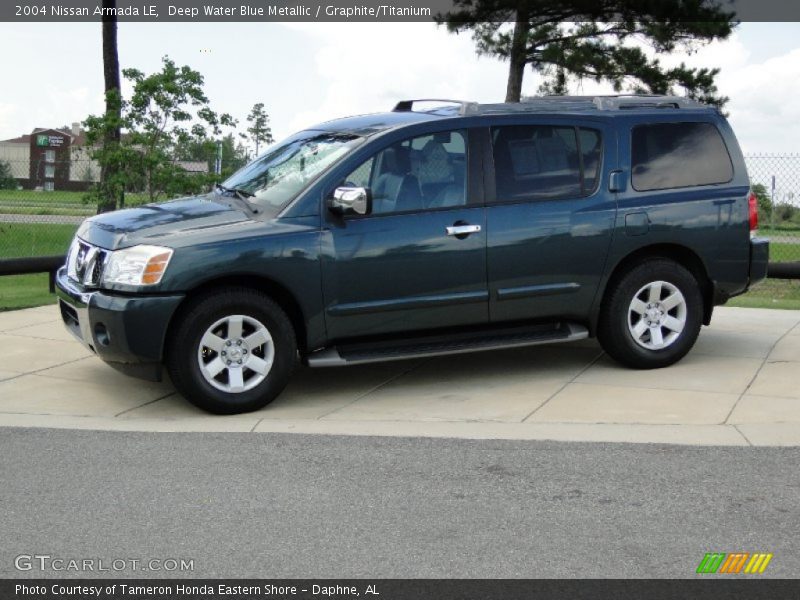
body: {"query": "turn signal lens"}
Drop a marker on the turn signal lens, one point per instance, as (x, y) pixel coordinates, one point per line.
(154, 270)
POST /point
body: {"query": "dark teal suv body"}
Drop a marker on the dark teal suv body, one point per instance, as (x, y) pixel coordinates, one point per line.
(414, 233)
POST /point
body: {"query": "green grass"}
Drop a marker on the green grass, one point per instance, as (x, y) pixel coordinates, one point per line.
(29, 239)
(73, 210)
(784, 252)
(771, 293)
(57, 196)
(24, 291)
(781, 251)
(59, 202)
(34, 196)
(34, 239)
(67, 211)
(788, 229)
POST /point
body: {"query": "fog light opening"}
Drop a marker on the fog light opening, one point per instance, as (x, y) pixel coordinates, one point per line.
(101, 334)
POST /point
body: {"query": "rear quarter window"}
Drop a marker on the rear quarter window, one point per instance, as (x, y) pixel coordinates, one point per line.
(677, 155)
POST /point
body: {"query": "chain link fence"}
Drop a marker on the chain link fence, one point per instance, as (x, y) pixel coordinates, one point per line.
(776, 181)
(42, 203)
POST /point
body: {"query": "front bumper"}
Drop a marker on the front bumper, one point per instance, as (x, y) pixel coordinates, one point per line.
(759, 260)
(126, 331)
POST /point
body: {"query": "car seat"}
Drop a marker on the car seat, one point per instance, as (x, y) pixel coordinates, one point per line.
(396, 189)
(435, 170)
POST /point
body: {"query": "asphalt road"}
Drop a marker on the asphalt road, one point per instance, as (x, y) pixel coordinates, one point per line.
(283, 505)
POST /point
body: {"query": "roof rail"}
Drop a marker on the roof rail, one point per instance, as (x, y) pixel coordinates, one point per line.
(555, 104)
(408, 105)
(623, 101)
(535, 104)
(573, 103)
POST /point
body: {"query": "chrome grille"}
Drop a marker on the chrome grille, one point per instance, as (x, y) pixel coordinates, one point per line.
(85, 263)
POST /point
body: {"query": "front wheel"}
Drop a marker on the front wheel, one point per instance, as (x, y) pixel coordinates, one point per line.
(232, 351)
(652, 316)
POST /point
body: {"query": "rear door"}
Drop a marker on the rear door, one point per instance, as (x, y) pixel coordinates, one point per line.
(549, 216)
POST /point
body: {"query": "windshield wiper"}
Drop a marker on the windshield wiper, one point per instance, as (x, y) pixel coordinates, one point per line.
(239, 194)
(238, 191)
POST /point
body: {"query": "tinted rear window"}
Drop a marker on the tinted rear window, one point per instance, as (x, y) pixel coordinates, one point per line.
(676, 155)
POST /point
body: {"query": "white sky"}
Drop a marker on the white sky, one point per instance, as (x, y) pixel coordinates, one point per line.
(307, 73)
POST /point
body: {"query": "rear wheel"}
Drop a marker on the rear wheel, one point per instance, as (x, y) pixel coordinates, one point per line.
(232, 351)
(652, 315)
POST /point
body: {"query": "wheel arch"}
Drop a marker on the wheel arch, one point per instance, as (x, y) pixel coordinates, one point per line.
(280, 294)
(684, 256)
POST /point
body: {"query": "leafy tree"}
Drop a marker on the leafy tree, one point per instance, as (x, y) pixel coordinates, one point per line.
(87, 173)
(166, 111)
(784, 212)
(234, 154)
(565, 40)
(764, 201)
(7, 181)
(260, 131)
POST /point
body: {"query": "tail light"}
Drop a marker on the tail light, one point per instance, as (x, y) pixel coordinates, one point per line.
(752, 202)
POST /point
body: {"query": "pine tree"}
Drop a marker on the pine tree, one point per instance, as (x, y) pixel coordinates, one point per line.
(260, 131)
(567, 40)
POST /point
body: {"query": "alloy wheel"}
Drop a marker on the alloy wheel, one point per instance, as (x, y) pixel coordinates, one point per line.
(236, 353)
(657, 315)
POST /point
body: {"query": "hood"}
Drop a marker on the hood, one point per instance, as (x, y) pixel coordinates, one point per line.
(154, 223)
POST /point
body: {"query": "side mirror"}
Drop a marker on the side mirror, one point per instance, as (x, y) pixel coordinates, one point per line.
(351, 200)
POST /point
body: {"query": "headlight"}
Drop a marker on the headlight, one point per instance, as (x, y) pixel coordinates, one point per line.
(139, 265)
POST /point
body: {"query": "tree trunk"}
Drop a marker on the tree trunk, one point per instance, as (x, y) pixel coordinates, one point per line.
(112, 196)
(517, 58)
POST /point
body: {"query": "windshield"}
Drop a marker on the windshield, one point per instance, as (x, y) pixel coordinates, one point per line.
(277, 177)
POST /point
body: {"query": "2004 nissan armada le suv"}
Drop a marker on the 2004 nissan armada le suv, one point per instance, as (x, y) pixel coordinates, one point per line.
(421, 232)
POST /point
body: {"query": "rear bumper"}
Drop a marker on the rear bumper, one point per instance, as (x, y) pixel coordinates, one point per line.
(127, 332)
(759, 260)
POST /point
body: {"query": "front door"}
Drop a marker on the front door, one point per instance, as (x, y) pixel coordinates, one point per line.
(418, 261)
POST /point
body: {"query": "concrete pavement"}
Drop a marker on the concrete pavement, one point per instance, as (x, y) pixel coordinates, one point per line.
(739, 386)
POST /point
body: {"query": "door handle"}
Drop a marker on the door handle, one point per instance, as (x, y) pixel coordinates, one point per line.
(463, 229)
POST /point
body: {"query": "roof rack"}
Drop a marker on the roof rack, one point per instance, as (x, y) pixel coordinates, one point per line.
(558, 103)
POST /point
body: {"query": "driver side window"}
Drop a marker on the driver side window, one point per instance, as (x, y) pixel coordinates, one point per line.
(426, 172)
(361, 176)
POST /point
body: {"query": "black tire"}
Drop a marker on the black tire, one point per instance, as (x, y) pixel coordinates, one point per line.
(183, 351)
(617, 319)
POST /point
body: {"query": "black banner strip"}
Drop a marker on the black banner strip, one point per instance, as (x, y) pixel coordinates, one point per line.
(188, 11)
(713, 587)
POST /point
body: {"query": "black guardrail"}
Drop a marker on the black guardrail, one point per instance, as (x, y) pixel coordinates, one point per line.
(34, 264)
(784, 270)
